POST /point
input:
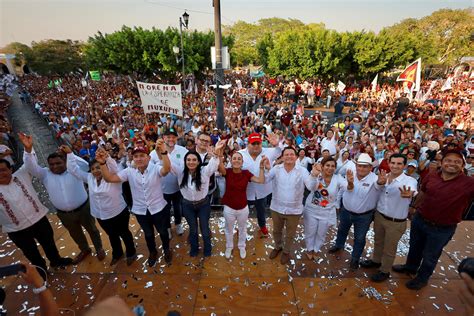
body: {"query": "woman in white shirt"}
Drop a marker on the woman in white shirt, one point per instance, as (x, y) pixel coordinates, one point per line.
(302, 160)
(320, 207)
(344, 163)
(194, 186)
(106, 204)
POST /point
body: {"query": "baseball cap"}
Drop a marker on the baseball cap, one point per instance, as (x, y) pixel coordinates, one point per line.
(254, 137)
(364, 159)
(170, 131)
(140, 149)
(454, 151)
(412, 164)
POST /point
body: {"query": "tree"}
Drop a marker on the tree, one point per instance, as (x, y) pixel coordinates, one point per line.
(19, 50)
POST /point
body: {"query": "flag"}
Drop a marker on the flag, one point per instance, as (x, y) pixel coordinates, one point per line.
(239, 83)
(95, 75)
(374, 83)
(447, 84)
(432, 85)
(340, 86)
(419, 96)
(412, 74)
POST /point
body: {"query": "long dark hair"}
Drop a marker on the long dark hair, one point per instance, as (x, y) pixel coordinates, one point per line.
(197, 178)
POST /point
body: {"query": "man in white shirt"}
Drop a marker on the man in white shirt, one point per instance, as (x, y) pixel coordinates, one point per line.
(390, 217)
(169, 183)
(68, 196)
(149, 205)
(257, 193)
(359, 202)
(288, 181)
(203, 144)
(23, 217)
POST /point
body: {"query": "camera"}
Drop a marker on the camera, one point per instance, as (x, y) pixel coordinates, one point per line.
(431, 155)
(467, 266)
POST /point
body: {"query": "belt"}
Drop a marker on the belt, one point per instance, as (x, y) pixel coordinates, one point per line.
(436, 224)
(392, 219)
(74, 210)
(195, 202)
(358, 214)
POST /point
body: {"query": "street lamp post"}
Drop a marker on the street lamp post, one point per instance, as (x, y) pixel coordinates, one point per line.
(219, 73)
(183, 21)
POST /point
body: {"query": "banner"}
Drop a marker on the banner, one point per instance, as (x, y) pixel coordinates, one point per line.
(162, 98)
(374, 83)
(447, 84)
(95, 75)
(340, 86)
(412, 73)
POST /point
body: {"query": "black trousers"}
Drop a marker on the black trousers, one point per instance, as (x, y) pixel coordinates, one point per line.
(116, 228)
(42, 232)
(174, 200)
(160, 221)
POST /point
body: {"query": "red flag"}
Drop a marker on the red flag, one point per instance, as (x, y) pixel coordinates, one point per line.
(412, 74)
(272, 81)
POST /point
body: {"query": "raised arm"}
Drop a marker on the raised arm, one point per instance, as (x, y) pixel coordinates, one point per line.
(311, 179)
(221, 167)
(101, 157)
(261, 176)
(163, 156)
(29, 157)
(72, 166)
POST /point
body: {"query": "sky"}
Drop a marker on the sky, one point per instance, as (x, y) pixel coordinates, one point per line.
(34, 20)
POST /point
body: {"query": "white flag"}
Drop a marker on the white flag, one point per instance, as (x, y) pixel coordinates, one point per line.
(340, 86)
(427, 94)
(374, 83)
(447, 84)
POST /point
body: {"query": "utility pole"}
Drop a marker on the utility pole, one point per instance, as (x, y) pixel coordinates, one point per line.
(219, 72)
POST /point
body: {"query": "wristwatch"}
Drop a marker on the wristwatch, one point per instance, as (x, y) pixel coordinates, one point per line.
(41, 289)
(165, 153)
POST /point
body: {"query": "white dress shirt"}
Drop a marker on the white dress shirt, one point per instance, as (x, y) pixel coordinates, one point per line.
(106, 200)
(364, 196)
(190, 192)
(22, 208)
(65, 191)
(146, 188)
(391, 203)
(169, 183)
(288, 188)
(304, 162)
(342, 167)
(256, 191)
(329, 144)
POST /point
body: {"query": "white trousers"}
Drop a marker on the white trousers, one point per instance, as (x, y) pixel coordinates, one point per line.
(315, 230)
(231, 216)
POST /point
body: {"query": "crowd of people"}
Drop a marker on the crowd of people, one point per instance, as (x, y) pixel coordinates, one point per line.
(391, 158)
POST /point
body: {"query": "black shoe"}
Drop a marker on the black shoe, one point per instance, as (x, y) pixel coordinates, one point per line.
(62, 262)
(415, 284)
(379, 276)
(402, 268)
(115, 260)
(368, 264)
(131, 259)
(168, 256)
(354, 265)
(334, 249)
(152, 259)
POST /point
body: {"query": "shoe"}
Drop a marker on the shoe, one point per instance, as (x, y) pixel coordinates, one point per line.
(354, 265)
(101, 254)
(416, 284)
(81, 256)
(62, 262)
(228, 253)
(274, 253)
(379, 276)
(179, 229)
(368, 264)
(152, 259)
(243, 253)
(334, 249)
(285, 258)
(264, 232)
(402, 268)
(169, 234)
(168, 256)
(131, 259)
(115, 260)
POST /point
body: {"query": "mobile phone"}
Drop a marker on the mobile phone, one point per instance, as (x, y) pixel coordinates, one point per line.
(12, 269)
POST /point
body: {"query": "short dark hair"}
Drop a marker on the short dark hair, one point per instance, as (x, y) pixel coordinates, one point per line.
(6, 162)
(57, 155)
(328, 159)
(405, 159)
(289, 148)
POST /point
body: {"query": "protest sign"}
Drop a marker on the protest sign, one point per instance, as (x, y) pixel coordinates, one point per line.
(162, 98)
(95, 75)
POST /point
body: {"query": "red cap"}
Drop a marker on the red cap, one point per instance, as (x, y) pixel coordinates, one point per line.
(254, 137)
(140, 150)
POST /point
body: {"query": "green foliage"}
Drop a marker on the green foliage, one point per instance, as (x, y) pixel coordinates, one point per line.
(19, 50)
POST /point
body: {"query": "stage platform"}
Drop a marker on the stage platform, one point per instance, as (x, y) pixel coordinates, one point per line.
(254, 286)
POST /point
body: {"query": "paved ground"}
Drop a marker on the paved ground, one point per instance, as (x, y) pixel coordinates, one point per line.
(22, 118)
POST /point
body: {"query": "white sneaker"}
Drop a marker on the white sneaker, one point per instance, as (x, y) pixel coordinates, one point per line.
(169, 233)
(228, 253)
(243, 253)
(179, 229)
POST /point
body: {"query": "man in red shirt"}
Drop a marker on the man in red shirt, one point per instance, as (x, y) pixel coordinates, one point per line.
(444, 197)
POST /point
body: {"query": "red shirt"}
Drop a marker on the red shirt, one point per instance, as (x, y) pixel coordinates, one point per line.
(235, 195)
(445, 202)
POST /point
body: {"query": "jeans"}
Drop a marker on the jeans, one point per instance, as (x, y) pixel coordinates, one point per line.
(192, 212)
(260, 206)
(117, 228)
(160, 221)
(426, 245)
(174, 200)
(361, 226)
